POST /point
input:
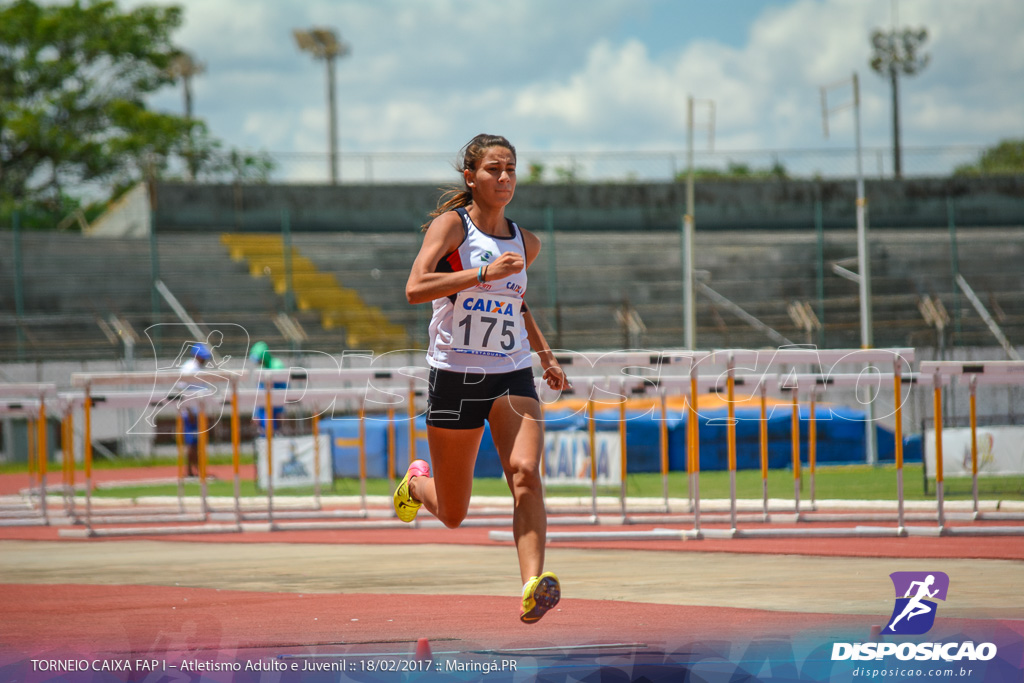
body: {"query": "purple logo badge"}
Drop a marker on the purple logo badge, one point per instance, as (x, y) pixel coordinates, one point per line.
(916, 592)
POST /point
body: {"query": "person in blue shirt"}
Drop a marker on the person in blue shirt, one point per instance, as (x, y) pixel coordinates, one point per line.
(201, 357)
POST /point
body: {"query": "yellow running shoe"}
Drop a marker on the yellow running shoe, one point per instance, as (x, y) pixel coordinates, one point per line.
(405, 505)
(540, 594)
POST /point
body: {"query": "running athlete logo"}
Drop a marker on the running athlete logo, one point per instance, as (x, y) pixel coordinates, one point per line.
(914, 612)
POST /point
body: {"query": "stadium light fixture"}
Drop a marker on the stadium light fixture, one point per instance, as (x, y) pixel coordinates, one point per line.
(324, 44)
(895, 51)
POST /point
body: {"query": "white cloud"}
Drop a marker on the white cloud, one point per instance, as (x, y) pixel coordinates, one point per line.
(428, 75)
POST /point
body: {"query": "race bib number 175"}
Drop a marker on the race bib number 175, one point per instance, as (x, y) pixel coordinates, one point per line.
(486, 324)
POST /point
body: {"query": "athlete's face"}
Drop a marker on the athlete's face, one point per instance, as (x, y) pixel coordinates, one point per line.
(493, 181)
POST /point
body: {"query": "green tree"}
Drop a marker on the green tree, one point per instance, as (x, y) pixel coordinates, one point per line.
(73, 83)
(1005, 158)
(536, 174)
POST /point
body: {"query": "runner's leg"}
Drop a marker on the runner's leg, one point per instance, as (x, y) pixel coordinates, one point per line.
(447, 492)
(519, 437)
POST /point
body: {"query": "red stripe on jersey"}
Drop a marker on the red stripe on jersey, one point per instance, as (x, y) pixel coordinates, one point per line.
(455, 261)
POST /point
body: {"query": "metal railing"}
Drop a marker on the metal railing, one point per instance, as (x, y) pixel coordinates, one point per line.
(625, 165)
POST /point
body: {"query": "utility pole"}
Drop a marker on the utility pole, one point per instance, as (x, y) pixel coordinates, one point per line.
(689, 302)
(863, 249)
(324, 44)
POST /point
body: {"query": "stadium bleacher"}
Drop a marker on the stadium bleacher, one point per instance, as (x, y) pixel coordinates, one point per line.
(71, 283)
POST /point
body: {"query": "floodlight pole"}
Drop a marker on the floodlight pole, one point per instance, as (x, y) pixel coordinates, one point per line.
(323, 44)
(184, 67)
(333, 114)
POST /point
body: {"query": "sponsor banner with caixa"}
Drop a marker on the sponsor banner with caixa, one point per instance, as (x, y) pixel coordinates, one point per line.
(1000, 451)
(567, 458)
(294, 461)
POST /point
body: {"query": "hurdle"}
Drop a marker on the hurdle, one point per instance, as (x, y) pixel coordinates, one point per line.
(316, 398)
(398, 379)
(34, 409)
(320, 401)
(660, 386)
(27, 513)
(637, 374)
(812, 383)
(651, 364)
(972, 374)
(89, 399)
(390, 383)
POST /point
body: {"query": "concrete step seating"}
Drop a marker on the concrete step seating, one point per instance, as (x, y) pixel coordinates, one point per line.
(339, 307)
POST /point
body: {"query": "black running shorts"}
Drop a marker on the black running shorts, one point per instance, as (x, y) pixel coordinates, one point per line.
(463, 400)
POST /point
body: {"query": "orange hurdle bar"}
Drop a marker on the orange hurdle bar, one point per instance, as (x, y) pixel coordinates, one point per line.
(938, 450)
(730, 384)
(236, 451)
(592, 433)
(269, 417)
(974, 441)
(796, 448)
(898, 398)
(764, 446)
(203, 437)
(622, 447)
(43, 457)
(663, 444)
(812, 445)
(179, 438)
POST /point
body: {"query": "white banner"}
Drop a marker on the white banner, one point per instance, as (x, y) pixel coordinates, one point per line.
(294, 462)
(1000, 451)
(567, 458)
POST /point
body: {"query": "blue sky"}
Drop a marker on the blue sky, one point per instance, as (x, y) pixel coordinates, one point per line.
(665, 24)
(596, 75)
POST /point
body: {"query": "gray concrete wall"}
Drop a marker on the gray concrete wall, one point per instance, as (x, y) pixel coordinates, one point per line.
(720, 204)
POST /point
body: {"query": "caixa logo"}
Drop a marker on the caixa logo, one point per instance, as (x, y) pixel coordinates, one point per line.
(916, 593)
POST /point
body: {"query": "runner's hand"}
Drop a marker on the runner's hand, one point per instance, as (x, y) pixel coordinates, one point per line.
(507, 264)
(556, 379)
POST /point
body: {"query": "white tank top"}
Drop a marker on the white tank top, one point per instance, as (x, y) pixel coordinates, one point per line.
(480, 329)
